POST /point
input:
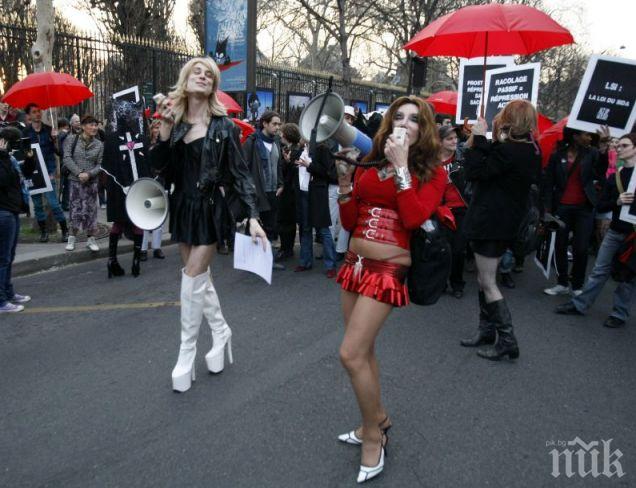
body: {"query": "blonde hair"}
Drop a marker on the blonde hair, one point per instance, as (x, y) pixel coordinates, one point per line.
(518, 119)
(180, 96)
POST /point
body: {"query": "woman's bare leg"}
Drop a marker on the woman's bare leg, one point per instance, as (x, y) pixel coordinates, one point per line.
(356, 355)
(196, 259)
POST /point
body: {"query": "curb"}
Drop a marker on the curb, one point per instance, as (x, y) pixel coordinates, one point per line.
(48, 263)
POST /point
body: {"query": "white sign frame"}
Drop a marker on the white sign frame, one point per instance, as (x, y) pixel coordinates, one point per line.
(507, 60)
(534, 95)
(573, 121)
(43, 170)
(134, 89)
(625, 216)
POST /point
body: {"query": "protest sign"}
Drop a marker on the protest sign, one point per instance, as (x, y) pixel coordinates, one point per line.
(510, 83)
(39, 182)
(471, 80)
(607, 96)
(628, 212)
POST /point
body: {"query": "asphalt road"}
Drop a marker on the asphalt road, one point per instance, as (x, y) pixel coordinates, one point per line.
(87, 402)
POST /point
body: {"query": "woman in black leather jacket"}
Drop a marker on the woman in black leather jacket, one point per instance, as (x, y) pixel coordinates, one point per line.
(199, 152)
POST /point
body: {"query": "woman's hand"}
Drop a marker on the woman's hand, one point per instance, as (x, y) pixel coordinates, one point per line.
(625, 198)
(256, 231)
(3, 145)
(480, 128)
(345, 173)
(167, 121)
(397, 153)
(303, 161)
(84, 177)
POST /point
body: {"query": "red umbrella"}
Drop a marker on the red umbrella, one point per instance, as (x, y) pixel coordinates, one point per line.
(228, 102)
(489, 30)
(444, 102)
(47, 89)
(549, 138)
(543, 123)
(246, 129)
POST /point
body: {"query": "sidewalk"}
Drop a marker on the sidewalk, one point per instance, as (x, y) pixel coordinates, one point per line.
(33, 258)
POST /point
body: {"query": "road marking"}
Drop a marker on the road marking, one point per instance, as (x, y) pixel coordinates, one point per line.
(101, 307)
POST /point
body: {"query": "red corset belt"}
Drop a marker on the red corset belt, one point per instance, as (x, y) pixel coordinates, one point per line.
(381, 225)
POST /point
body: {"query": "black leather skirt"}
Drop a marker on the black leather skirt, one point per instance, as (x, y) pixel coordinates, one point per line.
(192, 220)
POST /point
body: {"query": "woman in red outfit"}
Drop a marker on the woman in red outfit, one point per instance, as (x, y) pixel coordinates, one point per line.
(380, 210)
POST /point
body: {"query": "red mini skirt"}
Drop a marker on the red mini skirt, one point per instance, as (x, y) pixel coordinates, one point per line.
(375, 279)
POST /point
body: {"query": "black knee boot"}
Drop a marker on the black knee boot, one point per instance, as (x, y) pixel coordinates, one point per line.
(485, 331)
(44, 234)
(114, 269)
(136, 266)
(506, 344)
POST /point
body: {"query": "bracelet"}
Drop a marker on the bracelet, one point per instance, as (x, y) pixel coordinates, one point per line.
(402, 178)
(346, 192)
(344, 198)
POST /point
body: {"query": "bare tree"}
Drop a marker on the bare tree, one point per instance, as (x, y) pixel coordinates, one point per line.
(346, 21)
(42, 50)
(196, 19)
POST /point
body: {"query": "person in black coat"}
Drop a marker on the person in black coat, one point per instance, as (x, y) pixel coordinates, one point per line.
(502, 173)
(313, 208)
(118, 163)
(14, 200)
(570, 193)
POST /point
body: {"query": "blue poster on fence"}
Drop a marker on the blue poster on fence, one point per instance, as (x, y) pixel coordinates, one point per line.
(226, 41)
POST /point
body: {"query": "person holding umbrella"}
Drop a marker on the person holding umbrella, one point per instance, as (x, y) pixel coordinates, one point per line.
(502, 173)
(46, 137)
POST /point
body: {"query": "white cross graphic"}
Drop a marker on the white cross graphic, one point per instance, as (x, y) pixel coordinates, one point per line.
(130, 146)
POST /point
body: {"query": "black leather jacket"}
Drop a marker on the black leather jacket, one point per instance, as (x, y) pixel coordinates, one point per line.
(222, 162)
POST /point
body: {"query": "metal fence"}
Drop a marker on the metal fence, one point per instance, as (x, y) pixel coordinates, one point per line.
(107, 66)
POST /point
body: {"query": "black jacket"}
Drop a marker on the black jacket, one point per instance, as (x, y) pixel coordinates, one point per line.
(555, 176)
(222, 161)
(501, 176)
(254, 162)
(323, 172)
(10, 189)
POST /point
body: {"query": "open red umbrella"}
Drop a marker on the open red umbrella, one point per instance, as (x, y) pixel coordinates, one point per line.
(543, 123)
(549, 138)
(47, 89)
(228, 102)
(493, 29)
(444, 102)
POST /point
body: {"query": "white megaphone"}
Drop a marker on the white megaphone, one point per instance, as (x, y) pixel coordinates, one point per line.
(147, 204)
(331, 124)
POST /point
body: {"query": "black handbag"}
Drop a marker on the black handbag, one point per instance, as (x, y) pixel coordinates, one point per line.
(430, 265)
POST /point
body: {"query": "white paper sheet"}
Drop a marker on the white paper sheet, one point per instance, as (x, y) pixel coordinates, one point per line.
(251, 257)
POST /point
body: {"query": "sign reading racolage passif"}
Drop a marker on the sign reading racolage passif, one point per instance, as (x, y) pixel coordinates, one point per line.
(226, 38)
(607, 96)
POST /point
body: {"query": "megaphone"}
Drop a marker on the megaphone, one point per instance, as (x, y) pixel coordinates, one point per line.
(331, 124)
(147, 204)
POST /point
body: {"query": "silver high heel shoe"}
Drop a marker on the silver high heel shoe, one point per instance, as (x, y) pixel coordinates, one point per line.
(368, 472)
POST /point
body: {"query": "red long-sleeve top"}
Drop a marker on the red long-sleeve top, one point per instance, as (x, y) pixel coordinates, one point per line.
(414, 205)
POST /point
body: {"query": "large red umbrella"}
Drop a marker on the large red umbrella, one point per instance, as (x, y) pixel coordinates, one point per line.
(549, 138)
(489, 30)
(47, 89)
(543, 123)
(444, 102)
(228, 102)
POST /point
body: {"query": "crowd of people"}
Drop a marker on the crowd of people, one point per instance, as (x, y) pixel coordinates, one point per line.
(362, 211)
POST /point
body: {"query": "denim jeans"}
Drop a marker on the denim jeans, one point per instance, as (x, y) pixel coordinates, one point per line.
(51, 197)
(602, 268)
(9, 230)
(306, 238)
(579, 219)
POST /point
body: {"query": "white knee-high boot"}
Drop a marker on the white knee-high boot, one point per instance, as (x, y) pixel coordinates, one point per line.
(192, 295)
(221, 332)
